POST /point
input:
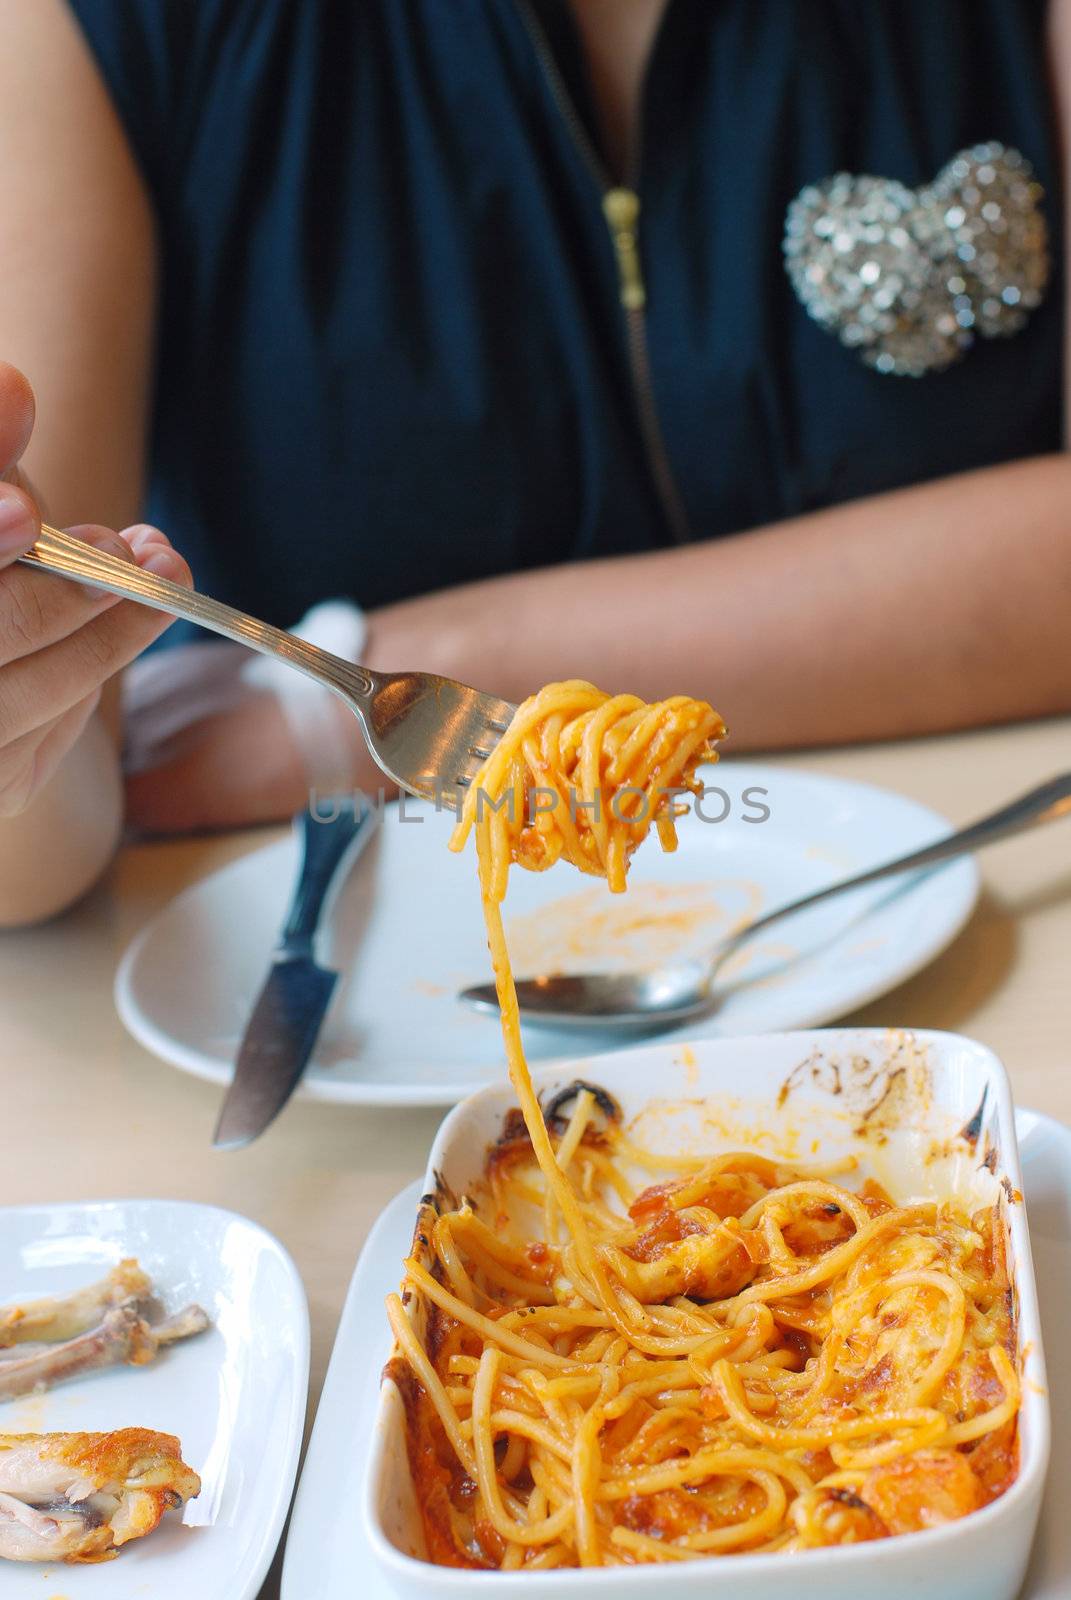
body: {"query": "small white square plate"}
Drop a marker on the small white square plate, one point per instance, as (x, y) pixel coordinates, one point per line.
(235, 1395)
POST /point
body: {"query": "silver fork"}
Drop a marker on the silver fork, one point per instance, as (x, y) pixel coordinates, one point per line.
(428, 733)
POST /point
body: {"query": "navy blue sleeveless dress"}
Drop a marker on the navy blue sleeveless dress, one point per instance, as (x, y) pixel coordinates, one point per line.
(393, 354)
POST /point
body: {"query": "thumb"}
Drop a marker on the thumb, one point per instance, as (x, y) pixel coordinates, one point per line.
(16, 417)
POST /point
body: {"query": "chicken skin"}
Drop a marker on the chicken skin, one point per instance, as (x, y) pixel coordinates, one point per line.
(78, 1497)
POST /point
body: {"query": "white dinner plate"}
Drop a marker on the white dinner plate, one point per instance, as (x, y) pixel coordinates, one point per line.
(332, 1556)
(235, 1396)
(407, 933)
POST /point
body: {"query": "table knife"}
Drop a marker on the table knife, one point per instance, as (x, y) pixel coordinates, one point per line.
(286, 1019)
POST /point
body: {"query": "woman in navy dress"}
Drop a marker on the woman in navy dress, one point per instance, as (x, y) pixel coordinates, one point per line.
(477, 312)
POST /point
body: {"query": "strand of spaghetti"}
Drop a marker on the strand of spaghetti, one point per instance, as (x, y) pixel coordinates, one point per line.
(590, 776)
(827, 1266)
(490, 1331)
(512, 1531)
(641, 1388)
(809, 1189)
(458, 1364)
(557, 826)
(460, 1282)
(491, 1264)
(685, 1317)
(651, 1161)
(586, 1468)
(920, 1420)
(575, 695)
(574, 1132)
(963, 1432)
(552, 1475)
(500, 843)
(759, 1526)
(555, 1556)
(418, 1360)
(715, 1462)
(557, 1318)
(567, 1148)
(533, 1115)
(466, 1222)
(642, 1544)
(759, 1332)
(516, 1187)
(672, 1429)
(612, 1175)
(541, 1433)
(841, 1480)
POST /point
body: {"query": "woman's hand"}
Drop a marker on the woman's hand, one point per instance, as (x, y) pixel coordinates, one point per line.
(59, 641)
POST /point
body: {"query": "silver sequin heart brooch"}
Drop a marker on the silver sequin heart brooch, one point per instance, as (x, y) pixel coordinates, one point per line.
(908, 277)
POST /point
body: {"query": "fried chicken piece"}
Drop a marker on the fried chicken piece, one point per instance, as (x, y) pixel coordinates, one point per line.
(124, 1335)
(77, 1497)
(50, 1321)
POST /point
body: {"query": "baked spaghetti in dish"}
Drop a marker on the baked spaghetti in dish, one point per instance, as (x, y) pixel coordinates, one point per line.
(741, 1355)
(807, 1363)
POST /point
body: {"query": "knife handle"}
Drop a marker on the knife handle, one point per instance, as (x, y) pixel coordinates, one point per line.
(324, 847)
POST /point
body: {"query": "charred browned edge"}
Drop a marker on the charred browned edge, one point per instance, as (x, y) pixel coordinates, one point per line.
(514, 1142)
(554, 1109)
(971, 1130)
(423, 1230)
(1012, 1344)
(420, 1423)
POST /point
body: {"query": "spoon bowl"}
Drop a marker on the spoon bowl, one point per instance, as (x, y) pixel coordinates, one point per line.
(658, 998)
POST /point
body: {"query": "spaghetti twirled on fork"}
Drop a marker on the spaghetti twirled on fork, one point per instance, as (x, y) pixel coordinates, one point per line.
(739, 1357)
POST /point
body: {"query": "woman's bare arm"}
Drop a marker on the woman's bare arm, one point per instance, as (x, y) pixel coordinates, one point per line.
(76, 305)
(937, 607)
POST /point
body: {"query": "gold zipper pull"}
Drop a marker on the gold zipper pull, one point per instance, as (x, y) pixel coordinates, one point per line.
(621, 208)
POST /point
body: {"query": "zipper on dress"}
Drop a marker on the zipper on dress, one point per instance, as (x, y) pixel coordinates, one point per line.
(621, 209)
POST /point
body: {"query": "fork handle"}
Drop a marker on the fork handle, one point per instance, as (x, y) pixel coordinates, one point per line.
(73, 558)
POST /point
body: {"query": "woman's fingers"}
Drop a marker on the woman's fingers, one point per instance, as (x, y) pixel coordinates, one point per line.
(16, 415)
(155, 552)
(29, 761)
(43, 683)
(60, 641)
(37, 608)
(19, 523)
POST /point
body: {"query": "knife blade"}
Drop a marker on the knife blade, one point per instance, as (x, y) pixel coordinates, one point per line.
(286, 1018)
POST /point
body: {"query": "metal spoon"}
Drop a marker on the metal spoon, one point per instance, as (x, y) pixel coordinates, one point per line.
(668, 995)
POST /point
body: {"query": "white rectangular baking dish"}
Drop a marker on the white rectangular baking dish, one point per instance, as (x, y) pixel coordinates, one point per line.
(928, 1114)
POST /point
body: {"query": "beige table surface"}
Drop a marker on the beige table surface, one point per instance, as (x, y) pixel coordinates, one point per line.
(87, 1113)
